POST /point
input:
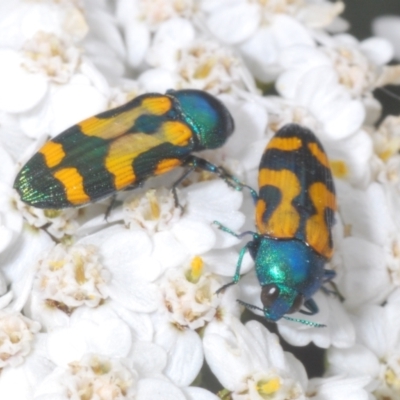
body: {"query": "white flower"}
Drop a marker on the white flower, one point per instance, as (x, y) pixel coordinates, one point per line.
(189, 302)
(183, 60)
(69, 277)
(58, 223)
(24, 19)
(39, 60)
(97, 376)
(113, 263)
(368, 248)
(42, 43)
(261, 30)
(19, 382)
(189, 233)
(319, 92)
(187, 294)
(376, 352)
(85, 94)
(16, 336)
(356, 67)
(46, 54)
(387, 138)
(140, 18)
(250, 363)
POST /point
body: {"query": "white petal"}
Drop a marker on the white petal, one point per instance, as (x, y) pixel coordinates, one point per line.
(185, 353)
(20, 90)
(197, 237)
(366, 279)
(379, 51)
(232, 354)
(73, 103)
(320, 91)
(140, 323)
(355, 361)
(134, 294)
(15, 384)
(234, 24)
(168, 250)
(388, 27)
(267, 343)
(137, 37)
(371, 323)
(214, 200)
(355, 152)
(158, 390)
(109, 336)
(337, 388)
(366, 212)
(157, 80)
(298, 60)
(261, 54)
(196, 393)
(6, 176)
(170, 38)
(223, 262)
(263, 49)
(148, 358)
(65, 346)
(19, 263)
(339, 330)
(250, 124)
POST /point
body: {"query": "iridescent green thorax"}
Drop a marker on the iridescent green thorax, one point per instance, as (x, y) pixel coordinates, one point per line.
(208, 117)
(293, 266)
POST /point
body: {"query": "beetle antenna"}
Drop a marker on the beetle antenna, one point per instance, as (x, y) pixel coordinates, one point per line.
(305, 322)
(301, 321)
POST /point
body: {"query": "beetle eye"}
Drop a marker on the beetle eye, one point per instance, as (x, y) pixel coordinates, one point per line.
(297, 303)
(269, 294)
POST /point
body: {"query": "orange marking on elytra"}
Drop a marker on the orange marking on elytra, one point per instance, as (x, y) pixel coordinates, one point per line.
(53, 153)
(318, 154)
(73, 184)
(284, 221)
(317, 232)
(109, 128)
(117, 125)
(176, 132)
(285, 144)
(166, 165)
(122, 153)
(157, 105)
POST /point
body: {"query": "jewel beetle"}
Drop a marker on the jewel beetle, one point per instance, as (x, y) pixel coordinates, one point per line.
(294, 215)
(119, 149)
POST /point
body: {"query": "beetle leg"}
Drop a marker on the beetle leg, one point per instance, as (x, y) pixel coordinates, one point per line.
(236, 277)
(185, 174)
(311, 306)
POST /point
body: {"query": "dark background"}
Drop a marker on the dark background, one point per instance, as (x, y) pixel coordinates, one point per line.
(361, 12)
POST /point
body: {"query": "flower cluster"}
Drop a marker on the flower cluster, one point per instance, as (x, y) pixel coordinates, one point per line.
(119, 299)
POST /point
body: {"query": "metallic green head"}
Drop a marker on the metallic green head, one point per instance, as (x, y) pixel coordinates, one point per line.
(208, 117)
(290, 272)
